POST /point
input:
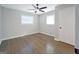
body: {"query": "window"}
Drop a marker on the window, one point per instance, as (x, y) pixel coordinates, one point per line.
(27, 20)
(50, 19)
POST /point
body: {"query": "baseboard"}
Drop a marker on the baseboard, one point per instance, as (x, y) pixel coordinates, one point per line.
(10, 38)
(21, 36)
(57, 39)
(16, 36)
(47, 34)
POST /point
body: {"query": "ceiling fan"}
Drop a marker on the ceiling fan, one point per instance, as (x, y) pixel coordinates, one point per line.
(37, 8)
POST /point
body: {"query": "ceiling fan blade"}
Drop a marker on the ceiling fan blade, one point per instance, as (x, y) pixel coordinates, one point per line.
(34, 6)
(43, 7)
(35, 11)
(41, 10)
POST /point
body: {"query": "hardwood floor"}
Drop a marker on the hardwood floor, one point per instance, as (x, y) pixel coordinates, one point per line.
(35, 44)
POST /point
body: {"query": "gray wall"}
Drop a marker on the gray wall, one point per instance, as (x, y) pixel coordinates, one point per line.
(45, 28)
(12, 27)
(77, 27)
(0, 24)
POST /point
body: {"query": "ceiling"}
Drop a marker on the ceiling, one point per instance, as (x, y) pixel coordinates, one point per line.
(26, 7)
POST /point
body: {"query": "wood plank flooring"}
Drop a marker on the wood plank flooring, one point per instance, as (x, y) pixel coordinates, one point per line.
(35, 44)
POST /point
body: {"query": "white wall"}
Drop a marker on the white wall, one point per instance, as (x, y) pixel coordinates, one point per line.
(12, 27)
(45, 28)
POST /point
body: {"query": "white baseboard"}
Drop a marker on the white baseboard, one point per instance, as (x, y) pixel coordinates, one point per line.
(57, 39)
(15, 36)
(10, 38)
(47, 34)
(21, 36)
(61, 40)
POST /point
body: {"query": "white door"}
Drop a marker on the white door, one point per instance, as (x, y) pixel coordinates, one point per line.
(66, 25)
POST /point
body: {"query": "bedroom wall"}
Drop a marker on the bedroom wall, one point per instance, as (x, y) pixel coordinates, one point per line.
(12, 26)
(45, 28)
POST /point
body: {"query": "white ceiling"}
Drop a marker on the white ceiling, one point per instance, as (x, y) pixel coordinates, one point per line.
(26, 7)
